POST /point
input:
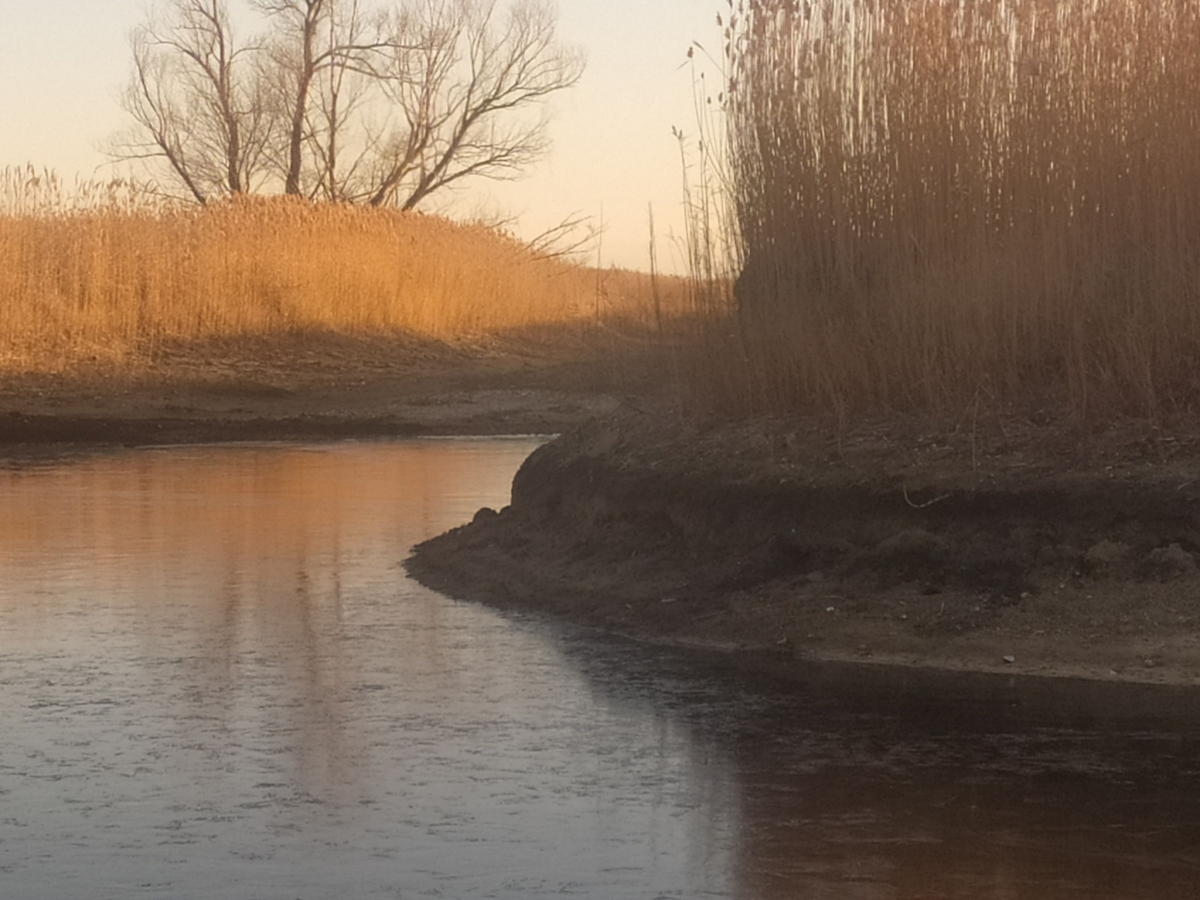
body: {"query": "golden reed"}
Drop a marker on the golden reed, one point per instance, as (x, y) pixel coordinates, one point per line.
(940, 200)
(103, 273)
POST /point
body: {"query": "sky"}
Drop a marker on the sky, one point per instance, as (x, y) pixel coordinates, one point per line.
(63, 64)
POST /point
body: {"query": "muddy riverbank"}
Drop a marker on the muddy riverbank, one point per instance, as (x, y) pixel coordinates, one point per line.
(1002, 550)
(323, 387)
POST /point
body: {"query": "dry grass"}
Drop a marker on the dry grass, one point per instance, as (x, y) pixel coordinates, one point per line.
(105, 275)
(639, 303)
(940, 201)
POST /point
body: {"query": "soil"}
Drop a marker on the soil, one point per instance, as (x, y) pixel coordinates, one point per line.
(319, 387)
(1015, 547)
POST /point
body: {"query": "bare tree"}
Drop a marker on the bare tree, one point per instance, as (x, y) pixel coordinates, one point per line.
(469, 88)
(196, 102)
(337, 134)
(323, 64)
(384, 104)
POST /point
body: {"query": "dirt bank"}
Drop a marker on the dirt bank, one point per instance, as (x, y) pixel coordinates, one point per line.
(322, 387)
(1019, 548)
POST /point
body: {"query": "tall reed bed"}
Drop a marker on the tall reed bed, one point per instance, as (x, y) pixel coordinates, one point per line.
(113, 280)
(940, 200)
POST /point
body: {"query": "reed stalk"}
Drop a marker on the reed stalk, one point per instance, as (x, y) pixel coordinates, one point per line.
(943, 199)
(106, 274)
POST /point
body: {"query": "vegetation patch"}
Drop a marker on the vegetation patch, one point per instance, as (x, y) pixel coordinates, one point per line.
(112, 277)
(942, 205)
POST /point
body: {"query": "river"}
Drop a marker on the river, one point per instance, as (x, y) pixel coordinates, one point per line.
(216, 681)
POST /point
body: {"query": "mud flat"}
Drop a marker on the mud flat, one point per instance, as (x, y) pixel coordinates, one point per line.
(317, 387)
(1015, 550)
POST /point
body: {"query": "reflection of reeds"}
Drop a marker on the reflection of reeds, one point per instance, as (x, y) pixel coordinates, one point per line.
(940, 198)
(106, 273)
(210, 511)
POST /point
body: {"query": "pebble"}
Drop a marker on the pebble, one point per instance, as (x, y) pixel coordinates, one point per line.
(1010, 659)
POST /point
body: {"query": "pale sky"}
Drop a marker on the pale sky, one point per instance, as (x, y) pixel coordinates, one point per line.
(64, 62)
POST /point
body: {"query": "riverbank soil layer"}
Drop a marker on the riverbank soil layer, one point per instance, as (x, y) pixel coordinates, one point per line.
(326, 387)
(1010, 546)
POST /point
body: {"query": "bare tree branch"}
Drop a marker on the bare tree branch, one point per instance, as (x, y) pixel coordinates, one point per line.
(575, 234)
(384, 102)
(326, 57)
(196, 102)
(468, 91)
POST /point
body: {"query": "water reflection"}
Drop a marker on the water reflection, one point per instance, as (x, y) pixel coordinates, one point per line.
(217, 682)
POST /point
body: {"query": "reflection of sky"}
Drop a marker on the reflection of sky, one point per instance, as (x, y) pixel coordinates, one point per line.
(216, 680)
(250, 513)
(64, 62)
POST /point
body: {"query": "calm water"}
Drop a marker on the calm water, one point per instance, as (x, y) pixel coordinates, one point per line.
(217, 682)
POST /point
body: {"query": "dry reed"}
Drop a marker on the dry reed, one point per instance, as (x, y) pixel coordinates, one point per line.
(106, 274)
(939, 200)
